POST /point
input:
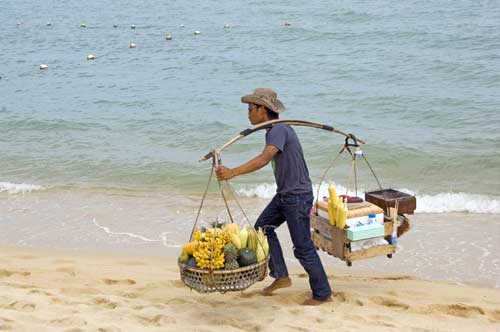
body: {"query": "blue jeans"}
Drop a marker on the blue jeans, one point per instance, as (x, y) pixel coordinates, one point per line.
(294, 209)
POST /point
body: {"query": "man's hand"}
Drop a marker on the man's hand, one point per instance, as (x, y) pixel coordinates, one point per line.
(224, 173)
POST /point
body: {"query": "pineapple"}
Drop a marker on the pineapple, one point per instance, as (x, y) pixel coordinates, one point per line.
(230, 252)
(231, 265)
(231, 257)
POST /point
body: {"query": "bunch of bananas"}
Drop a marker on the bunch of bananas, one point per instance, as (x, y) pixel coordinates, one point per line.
(210, 250)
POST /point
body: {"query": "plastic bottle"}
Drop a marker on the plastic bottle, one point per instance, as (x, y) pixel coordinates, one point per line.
(372, 218)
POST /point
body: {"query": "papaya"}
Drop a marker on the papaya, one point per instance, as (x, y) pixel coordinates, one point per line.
(246, 256)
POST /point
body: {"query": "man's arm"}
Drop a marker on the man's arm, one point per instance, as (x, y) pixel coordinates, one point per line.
(224, 173)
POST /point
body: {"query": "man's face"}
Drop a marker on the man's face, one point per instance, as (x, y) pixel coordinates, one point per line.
(255, 115)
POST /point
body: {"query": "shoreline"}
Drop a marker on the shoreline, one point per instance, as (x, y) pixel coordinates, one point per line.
(53, 290)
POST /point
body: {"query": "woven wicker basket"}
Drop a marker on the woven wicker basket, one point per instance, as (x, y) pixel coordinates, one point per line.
(205, 281)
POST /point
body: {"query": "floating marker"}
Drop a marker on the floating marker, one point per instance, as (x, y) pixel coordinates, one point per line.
(197, 32)
(90, 57)
(168, 37)
(132, 26)
(115, 25)
(181, 26)
(18, 23)
(43, 66)
(287, 24)
(83, 25)
(226, 26)
(132, 45)
(48, 24)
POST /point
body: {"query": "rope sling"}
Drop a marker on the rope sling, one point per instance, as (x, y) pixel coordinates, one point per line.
(213, 280)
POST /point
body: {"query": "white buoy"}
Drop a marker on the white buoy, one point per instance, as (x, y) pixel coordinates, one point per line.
(197, 32)
(90, 57)
(168, 37)
(43, 66)
(115, 25)
(287, 24)
(181, 26)
(132, 45)
(48, 24)
(132, 26)
(83, 25)
(18, 23)
(226, 26)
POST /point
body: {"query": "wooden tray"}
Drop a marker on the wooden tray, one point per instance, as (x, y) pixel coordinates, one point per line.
(387, 198)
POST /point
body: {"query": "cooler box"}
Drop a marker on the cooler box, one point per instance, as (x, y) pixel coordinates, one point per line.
(365, 232)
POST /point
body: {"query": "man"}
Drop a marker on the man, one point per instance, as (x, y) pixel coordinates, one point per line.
(293, 200)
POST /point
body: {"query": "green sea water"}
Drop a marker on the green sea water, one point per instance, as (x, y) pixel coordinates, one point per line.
(417, 80)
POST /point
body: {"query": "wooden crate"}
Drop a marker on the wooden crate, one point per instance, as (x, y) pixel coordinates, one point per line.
(334, 241)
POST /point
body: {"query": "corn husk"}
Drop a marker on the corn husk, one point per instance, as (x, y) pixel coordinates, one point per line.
(236, 241)
(252, 240)
(232, 228)
(260, 254)
(243, 237)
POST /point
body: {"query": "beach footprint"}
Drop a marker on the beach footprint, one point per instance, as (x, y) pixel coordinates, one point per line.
(458, 310)
(495, 316)
(108, 329)
(104, 303)
(388, 302)
(119, 282)
(9, 273)
(20, 306)
(68, 270)
(156, 320)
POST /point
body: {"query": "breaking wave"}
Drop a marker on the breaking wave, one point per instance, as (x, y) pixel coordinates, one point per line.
(437, 203)
(18, 188)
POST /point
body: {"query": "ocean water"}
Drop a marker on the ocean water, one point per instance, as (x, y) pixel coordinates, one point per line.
(417, 80)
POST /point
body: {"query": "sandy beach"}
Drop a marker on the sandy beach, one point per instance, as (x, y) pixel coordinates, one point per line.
(66, 291)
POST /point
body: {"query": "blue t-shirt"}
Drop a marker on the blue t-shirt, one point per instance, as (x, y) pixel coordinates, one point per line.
(290, 169)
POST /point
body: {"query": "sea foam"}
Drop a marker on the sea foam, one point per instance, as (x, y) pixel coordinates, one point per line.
(426, 203)
(18, 188)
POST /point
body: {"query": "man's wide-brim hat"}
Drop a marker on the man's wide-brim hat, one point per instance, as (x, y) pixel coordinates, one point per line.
(265, 97)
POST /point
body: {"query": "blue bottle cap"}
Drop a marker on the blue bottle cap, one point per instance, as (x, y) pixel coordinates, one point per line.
(371, 215)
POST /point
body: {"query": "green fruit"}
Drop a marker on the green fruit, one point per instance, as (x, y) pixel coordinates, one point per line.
(231, 265)
(246, 257)
(230, 252)
(192, 263)
(184, 257)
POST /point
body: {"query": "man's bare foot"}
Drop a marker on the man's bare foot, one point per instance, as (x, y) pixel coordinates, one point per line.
(277, 284)
(312, 301)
